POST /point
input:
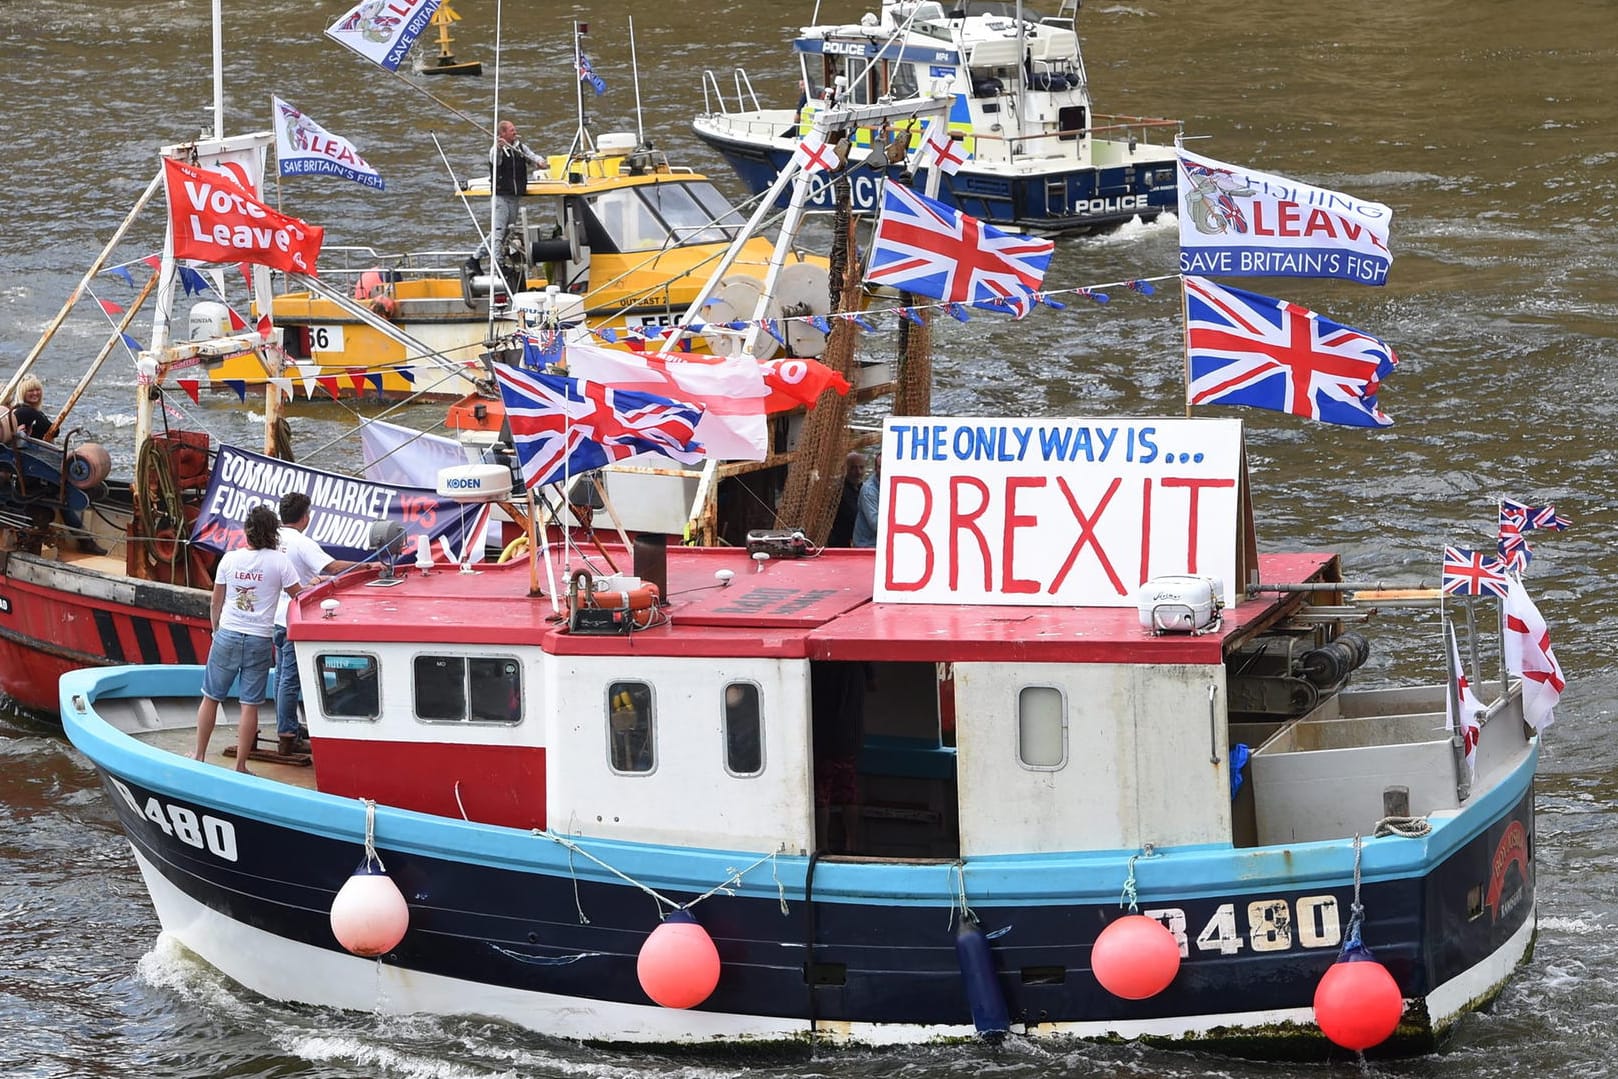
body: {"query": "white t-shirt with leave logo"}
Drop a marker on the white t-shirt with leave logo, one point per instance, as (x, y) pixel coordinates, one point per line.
(253, 579)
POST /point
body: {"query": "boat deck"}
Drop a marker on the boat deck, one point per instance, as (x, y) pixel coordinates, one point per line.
(169, 724)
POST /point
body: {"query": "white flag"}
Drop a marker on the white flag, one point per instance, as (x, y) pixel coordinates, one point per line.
(1470, 705)
(813, 155)
(303, 147)
(382, 31)
(938, 149)
(1529, 657)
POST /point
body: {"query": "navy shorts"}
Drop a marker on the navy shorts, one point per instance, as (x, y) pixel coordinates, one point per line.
(236, 656)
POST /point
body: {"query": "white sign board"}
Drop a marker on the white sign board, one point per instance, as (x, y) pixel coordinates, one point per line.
(1055, 512)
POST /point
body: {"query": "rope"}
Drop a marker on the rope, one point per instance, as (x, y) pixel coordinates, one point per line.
(1408, 827)
(1356, 918)
(1130, 898)
(370, 836)
(726, 886)
(967, 913)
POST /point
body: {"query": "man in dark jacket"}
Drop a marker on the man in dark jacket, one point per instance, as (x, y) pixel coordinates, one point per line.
(508, 164)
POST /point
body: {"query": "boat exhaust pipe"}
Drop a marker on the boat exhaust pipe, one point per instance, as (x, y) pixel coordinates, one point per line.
(652, 561)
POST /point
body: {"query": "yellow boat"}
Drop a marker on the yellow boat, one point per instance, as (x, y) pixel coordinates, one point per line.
(614, 239)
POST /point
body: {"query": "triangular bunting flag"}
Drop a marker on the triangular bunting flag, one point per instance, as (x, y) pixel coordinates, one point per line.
(309, 384)
(110, 307)
(356, 378)
(238, 387)
(264, 327)
(189, 385)
(329, 384)
(237, 323)
(192, 281)
(284, 385)
(123, 272)
(407, 373)
(155, 262)
(375, 379)
(130, 343)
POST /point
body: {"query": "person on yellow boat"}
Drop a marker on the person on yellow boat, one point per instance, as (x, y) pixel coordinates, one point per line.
(508, 164)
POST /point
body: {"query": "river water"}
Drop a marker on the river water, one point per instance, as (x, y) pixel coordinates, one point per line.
(1488, 127)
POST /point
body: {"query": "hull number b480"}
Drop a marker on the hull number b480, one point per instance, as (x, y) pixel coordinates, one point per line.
(217, 837)
(1272, 925)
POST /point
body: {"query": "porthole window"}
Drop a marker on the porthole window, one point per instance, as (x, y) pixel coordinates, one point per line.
(631, 729)
(1041, 727)
(744, 730)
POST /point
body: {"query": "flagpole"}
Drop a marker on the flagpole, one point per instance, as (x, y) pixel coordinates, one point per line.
(218, 71)
(580, 137)
(1185, 336)
(634, 67)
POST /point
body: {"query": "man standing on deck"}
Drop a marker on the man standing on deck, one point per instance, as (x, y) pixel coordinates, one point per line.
(310, 560)
(508, 166)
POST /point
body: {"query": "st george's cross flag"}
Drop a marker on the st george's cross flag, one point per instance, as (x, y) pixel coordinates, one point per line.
(1247, 349)
(938, 150)
(563, 426)
(382, 31)
(1461, 698)
(923, 246)
(1472, 573)
(303, 148)
(1529, 657)
(814, 154)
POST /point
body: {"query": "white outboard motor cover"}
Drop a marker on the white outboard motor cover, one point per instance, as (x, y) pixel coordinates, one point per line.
(207, 320)
(1180, 604)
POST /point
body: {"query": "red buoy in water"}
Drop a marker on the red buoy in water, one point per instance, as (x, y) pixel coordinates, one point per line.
(1135, 957)
(369, 916)
(1357, 1003)
(678, 965)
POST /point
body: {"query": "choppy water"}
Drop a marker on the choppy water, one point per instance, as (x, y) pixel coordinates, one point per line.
(1489, 128)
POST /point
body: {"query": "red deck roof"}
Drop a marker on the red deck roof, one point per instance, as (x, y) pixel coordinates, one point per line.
(820, 607)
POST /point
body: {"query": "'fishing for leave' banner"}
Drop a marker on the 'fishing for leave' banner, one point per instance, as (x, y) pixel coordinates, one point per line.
(341, 512)
(1237, 222)
(382, 31)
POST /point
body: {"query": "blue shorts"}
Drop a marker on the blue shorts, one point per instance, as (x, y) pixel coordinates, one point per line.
(236, 656)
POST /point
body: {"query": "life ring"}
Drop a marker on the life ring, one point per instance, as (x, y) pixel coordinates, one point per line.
(513, 549)
(640, 602)
(165, 546)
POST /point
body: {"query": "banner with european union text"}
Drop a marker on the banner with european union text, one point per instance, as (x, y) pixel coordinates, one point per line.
(382, 31)
(342, 508)
(1237, 222)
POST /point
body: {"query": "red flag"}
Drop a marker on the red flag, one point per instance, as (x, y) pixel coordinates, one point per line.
(189, 385)
(212, 218)
(356, 376)
(794, 382)
(264, 327)
(154, 261)
(329, 384)
(111, 308)
(237, 323)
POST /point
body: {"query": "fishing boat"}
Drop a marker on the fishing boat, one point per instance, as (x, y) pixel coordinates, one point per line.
(1033, 152)
(616, 243)
(930, 791)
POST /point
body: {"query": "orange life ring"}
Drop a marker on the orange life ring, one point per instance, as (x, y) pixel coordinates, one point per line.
(640, 602)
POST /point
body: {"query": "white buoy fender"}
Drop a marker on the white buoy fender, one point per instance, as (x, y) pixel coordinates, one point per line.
(369, 916)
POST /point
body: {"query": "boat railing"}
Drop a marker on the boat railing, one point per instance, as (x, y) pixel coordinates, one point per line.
(1137, 130)
(714, 100)
(349, 263)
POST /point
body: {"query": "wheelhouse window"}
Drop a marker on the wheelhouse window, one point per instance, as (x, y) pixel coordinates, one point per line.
(629, 223)
(1041, 728)
(631, 727)
(348, 686)
(695, 212)
(744, 730)
(468, 689)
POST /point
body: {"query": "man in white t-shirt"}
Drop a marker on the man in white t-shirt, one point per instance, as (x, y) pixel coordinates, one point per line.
(246, 586)
(311, 561)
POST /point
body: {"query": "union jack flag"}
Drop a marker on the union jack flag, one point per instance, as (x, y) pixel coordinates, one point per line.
(587, 74)
(562, 426)
(927, 248)
(1525, 517)
(1247, 349)
(1473, 573)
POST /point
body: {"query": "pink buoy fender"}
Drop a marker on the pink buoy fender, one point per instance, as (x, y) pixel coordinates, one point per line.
(1357, 1003)
(678, 965)
(369, 916)
(1135, 957)
(87, 465)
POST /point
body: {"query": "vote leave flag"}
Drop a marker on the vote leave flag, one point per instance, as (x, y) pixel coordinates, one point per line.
(214, 219)
(1530, 658)
(303, 147)
(1238, 222)
(731, 391)
(382, 31)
